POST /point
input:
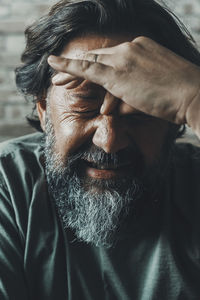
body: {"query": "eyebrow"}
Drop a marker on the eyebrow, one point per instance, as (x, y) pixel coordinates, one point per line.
(87, 96)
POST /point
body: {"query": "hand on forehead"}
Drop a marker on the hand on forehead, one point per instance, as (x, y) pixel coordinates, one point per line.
(106, 66)
(79, 84)
(86, 50)
(78, 88)
(86, 90)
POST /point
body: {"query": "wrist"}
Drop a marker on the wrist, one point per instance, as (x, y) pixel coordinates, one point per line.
(193, 114)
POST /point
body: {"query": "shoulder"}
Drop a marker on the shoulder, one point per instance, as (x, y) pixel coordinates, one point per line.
(185, 175)
(22, 180)
(27, 143)
(186, 155)
(186, 163)
(22, 151)
(21, 162)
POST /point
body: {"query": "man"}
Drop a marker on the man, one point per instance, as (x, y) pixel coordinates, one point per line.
(103, 204)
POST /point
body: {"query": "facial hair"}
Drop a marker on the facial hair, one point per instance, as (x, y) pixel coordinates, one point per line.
(93, 209)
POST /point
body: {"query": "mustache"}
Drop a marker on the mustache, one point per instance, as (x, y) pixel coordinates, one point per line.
(93, 154)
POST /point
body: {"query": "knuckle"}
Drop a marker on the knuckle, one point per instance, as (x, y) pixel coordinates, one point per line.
(127, 56)
(85, 65)
(140, 41)
(144, 42)
(127, 46)
(65, 63)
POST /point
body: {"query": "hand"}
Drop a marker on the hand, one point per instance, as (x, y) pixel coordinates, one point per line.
(143, 74)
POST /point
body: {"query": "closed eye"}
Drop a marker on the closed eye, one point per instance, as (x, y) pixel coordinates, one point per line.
(84, 112)
(86, 97)
(89, 113)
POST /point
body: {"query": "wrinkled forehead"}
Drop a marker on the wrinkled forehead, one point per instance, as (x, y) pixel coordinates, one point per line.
(78, 46)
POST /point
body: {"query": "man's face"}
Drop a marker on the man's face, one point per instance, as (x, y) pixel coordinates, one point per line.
(76, 118)
(96, 163)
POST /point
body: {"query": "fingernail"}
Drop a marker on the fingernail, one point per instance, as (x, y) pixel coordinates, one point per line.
(51, 59)
(56, 78)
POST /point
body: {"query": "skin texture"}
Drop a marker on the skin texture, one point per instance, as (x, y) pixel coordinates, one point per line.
(83, 112)
(106, 107)
(143, 74)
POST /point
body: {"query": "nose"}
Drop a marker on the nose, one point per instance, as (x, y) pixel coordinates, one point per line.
(110, 135)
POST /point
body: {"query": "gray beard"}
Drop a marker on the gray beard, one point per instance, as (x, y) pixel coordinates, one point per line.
(94, 210)
(93, 215)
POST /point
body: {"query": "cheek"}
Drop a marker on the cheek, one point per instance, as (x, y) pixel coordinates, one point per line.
(150, 138)
(70, 134)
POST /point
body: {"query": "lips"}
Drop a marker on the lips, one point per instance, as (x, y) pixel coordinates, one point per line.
(100, 166)
(107, 171)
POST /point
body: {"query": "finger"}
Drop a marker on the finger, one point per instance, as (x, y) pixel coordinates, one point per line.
(63, 78)
(125, 109)
(73, 84)
(95, 72)
(108, 50)
(105, 59)
(109, 104)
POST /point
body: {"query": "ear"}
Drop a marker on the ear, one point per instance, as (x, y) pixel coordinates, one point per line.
(41, 110)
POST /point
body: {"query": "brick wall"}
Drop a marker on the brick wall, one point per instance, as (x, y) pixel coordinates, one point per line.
(14, 17)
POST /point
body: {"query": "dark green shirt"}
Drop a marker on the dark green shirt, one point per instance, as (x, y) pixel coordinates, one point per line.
(159, 258)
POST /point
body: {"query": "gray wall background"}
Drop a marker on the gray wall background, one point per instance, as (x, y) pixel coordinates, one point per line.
(15, 15)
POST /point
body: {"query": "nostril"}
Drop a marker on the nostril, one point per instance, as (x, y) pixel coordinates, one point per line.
(111, 143)
(110, 134)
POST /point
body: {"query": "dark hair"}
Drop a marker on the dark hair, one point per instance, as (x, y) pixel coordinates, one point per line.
(70, 18)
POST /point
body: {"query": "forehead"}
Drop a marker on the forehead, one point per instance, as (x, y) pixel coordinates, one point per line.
(80, 45)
